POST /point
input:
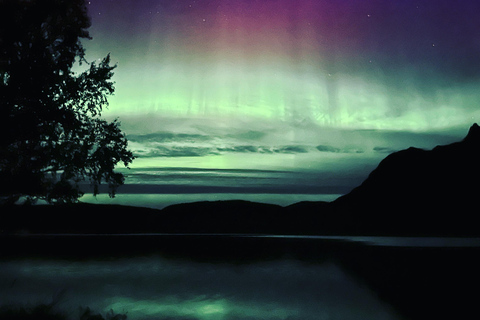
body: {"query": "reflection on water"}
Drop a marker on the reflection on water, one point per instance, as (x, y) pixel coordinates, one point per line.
(158, 288)
(201, 307)
(427, 242)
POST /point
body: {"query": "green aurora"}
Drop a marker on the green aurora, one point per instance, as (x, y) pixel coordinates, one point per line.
(316, 86)
(291, 61)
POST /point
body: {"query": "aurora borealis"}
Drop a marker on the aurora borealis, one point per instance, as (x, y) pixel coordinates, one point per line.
(307, 85)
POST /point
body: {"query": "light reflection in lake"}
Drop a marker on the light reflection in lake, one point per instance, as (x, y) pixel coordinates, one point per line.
(158, 288)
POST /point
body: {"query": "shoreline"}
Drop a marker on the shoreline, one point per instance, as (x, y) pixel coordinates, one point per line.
(369, 240)
(226, 217)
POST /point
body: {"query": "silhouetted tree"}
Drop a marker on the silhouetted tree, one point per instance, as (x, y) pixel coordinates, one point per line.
(51, 133)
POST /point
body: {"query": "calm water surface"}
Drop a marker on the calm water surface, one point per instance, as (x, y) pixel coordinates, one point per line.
(155, 287)
(158, 288)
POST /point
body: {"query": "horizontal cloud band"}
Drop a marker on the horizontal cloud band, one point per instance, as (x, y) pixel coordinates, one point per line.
(208, 189)
(190, 151)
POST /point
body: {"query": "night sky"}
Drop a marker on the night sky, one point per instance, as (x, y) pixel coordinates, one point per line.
(328, 87)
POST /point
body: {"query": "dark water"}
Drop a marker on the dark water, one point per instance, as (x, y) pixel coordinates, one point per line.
(158, 288)
(243, 277)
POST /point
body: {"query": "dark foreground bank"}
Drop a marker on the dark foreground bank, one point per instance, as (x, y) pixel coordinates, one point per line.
(235, 216)
(50, 312)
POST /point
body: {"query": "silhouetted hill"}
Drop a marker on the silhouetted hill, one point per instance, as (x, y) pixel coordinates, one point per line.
(416, 191)
(234, 216)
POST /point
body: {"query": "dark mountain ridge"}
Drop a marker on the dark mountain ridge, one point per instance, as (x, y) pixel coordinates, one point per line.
(417, 191)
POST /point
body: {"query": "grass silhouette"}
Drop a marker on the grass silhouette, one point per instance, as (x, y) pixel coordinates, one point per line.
(49, 312)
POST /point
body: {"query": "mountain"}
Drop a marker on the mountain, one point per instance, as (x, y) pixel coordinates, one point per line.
(416, 191)
(412, 192)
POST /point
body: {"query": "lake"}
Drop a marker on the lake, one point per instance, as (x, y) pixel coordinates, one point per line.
(244, 277)
(157, 288)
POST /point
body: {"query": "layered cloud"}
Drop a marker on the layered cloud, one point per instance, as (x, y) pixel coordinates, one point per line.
(172, 151)
(348, 156)
(183, 146)
(171, 144)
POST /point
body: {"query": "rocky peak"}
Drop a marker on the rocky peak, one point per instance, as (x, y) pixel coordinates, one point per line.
(473, 134)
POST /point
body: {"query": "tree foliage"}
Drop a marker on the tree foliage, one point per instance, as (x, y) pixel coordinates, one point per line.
(52, 135)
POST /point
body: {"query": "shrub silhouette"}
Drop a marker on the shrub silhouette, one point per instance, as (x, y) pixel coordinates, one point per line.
(40, 312)
(53, 136)
(48, 312)
(87, 314)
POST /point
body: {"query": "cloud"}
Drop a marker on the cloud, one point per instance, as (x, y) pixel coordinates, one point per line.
(352, 150)
(224, 186)
(163, 151)
(154, 149)
(291, 149)
(235, 139)
(328, 148)
(384, 150)
(182, 144)
(248, 135)
(239, 149)
(148, 150)
(169, 137)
